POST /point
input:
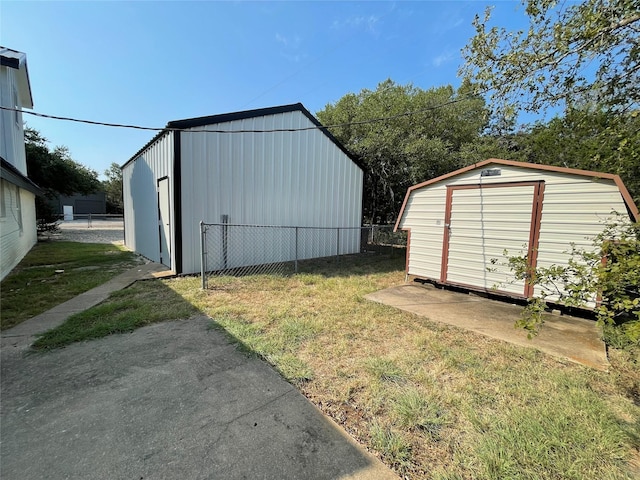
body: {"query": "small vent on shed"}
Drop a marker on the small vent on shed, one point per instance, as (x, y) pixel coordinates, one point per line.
(491, 172)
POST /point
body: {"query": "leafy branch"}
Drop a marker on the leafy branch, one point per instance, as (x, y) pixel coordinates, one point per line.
(605, 278)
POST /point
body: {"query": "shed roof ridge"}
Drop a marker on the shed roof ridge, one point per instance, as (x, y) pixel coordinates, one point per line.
(631, 206)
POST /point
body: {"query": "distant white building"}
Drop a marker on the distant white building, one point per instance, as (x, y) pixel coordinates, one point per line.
(18, 231)
(271, 166)
(460, 224)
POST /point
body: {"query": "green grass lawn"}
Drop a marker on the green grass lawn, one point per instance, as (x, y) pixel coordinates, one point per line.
(33, 286)
(431, 400)
(143, 303)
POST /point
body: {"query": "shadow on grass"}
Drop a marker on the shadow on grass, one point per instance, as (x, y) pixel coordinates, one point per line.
(277, 332)
(54, 272)
(357, 264)
(153, 301)
(143, 303)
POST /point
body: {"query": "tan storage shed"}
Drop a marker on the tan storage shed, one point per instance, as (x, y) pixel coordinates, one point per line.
(460, 222)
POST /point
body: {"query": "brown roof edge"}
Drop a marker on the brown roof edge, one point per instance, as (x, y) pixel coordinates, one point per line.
(631, 206)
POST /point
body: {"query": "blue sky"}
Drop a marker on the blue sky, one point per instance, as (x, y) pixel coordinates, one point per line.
(147, 63)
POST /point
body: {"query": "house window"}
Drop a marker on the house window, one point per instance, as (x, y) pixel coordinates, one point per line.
(11, 207)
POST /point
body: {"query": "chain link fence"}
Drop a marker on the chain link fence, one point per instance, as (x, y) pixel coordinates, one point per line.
(240, 250)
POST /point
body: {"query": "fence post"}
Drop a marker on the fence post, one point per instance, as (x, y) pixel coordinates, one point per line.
(338, 245)
(296, 262)
(203, 254)
(89, 221)
(225, 233)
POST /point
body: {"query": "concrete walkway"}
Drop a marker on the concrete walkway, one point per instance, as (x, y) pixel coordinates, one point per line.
(571, 338)
(23, 334)
(170, 400)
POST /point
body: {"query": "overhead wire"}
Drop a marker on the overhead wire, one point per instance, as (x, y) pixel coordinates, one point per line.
(271, 130)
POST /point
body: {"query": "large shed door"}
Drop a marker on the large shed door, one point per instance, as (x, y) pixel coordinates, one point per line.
(164, 221)
(481, 221)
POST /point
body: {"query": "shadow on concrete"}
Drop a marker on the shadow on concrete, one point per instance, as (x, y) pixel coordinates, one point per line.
(170, 400)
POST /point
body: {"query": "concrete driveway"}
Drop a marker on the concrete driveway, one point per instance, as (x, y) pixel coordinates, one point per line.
(172, 400)
(98, 231)
(575, 339)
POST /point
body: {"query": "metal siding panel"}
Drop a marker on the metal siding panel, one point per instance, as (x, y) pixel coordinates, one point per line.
(425, 260)
(479, 235)
(139, 183)
(12, 131)
(280, 178)
(425, 216)
(575, 209)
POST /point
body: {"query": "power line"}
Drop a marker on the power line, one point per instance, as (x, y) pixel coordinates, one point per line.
(274, 130)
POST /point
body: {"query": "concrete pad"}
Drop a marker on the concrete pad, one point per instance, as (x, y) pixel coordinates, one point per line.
(564, 336)
(171, 400)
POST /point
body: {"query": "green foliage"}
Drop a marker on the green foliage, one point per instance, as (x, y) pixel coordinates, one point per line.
(384, 369)
(608, 273)
(405, 149)
(590, 139)
(572, 52)
(414, 409)
(139, 305)
(55, 172)
(619, 277)
(582, 56)
(34, 286)
(113, 188)
(391, 445)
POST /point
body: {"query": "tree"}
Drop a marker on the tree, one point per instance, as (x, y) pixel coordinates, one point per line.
(571, 53)
(407, 147)
(55, 172)
(590, 140)
(113, 188)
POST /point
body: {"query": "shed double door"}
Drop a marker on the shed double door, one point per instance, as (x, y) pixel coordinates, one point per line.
(481, 222)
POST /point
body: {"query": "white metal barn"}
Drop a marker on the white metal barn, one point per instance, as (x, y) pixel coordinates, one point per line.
(459, 222)
(271, 166)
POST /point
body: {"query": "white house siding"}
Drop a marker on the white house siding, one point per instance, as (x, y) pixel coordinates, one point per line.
(278, 178)
(574, 209)
(139, 185)
(12, 132)
(18, 232)
(17, 225)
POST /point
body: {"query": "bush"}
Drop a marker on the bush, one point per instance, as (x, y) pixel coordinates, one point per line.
(608, 274)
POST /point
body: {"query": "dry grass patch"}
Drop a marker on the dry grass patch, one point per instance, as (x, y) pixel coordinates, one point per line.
(432, 401)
